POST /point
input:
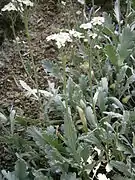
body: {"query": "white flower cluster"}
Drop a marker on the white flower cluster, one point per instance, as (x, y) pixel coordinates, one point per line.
(82, 2)
(89, 25)
(9, 7)
(60, 38)
(95, 21)
(63, 37)
(26, 2)
(17, 5)
(63, 3)
(92, 35)
(76, 34)
(86, 26)
(102, 177)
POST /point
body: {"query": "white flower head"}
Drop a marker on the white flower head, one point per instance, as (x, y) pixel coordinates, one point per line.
(92, 35)
(9, 7)
(17, 40)
(76, 34)
(26, 2)
(85, 40)
(97, 20)
(97, 46)
(86, 25)
(102, 177)
(17, 5)
(20, 7)
(98, 150)
(60, 38)
(78, 12)
(90, 160)
(63, 3)
(82, 2)
(108, 167)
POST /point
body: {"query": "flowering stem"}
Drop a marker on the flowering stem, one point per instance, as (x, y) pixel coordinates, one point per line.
(119, 23)
(93, 6)
(93, 3)
(127, 11)
(99, 63)
(90, 77)
(32, 58)
(64, 81)
(29, 42)
(18, 48)
(68, 124)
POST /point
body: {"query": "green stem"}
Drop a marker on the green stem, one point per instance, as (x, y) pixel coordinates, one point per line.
(90, 78)
(127, 11)
(93, 3)
(99, 63)
(64, 82)
(93, 6)
(29, 42)
(18, 49)
(32, 59)
(119, 23)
